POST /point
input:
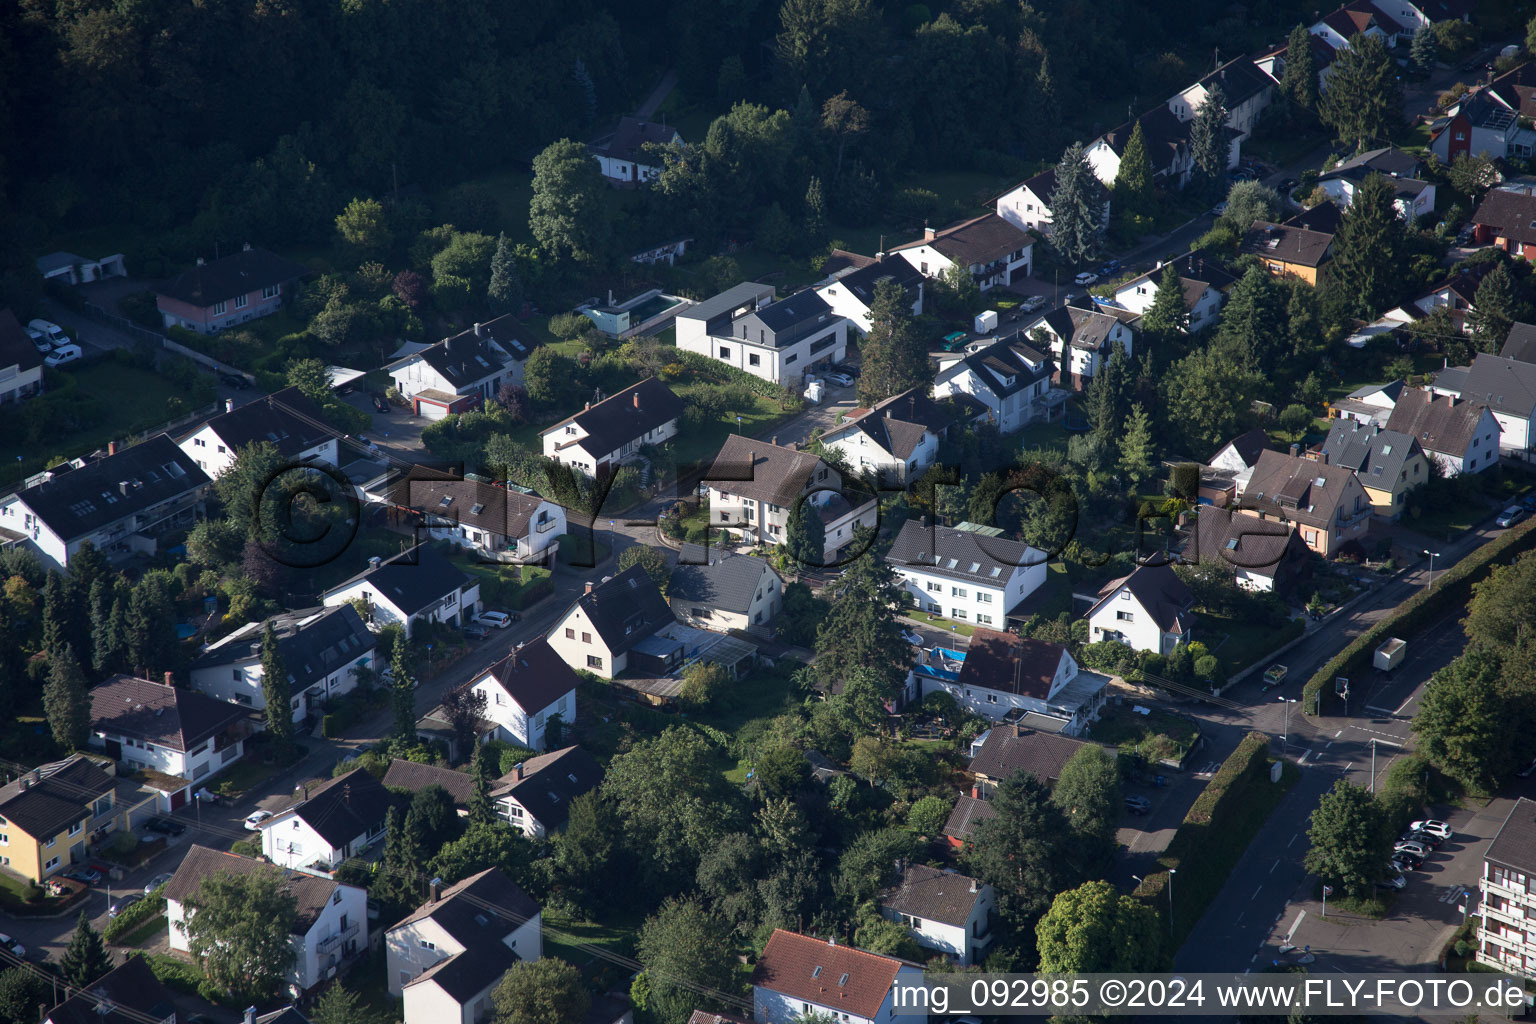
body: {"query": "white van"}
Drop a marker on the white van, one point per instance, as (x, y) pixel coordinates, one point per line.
(50, 330)
(61, 355)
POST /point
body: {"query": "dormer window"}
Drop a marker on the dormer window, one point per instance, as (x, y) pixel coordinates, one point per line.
(445, 501)
(817, 972)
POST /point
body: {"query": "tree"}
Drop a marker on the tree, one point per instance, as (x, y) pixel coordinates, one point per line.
(703, 683)
(1133, 192)
(1464, 723)
(1423, 52)
(652, 561)
(399, 879)
(1368, 250)
(1089, 794)
(403, 690)
(1137, 454)
(549, 376)
(481, 812)
(239, 928)
(1168, 315)
(1208, 145)
(1363, 100)
(364, 226)
(1530, 36)
(21, 993)
(482, 846)
(245, 490)
(895, 357)
(85, 958)
(727, 876)
(1248, 201)
(868, 863)
(543, 991)
(683, 943)
(1299, 79)
(1502, 607)
(872, 758)
(60, 612)
(1077, 208)
(859, 642)
(465, 707)
(815, 211)
(312, 378)
(65, 701)
(336, 1006)
(846, 121)
(1351, 839)
(1494, 309)
(504, 289)
(928, 815)
(804, 535)
(1253, 323)
(1023, 851)
(781, 772)
(275, 690)
(109, 622)
(1094, 929)
(1474, 174)
(584, 851)
(568, 213)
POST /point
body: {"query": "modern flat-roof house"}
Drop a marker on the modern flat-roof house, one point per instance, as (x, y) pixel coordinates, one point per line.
(1005, 750)
(536, 794)
(605, 436)
(754, 486)
(462, 372)
(330, 926)
(1508, 889)
(525, 690)
(337, 819)
(1010, 377)
(1327, 503)
(122, 503)
(1387, 463)
(968, 573)
(897, 438)
(1262, 554)
(1506, 386)
(52, 813)
(1288, 251)
(213, 296)
(945, 912)
(798, 975)
(993, 250)
(447, 957)
(1085, 337)
(777, 340)
(324, 649)
(416, 585)
(1414, 196)
(286, 419)
(1463, 437)
(177, 737)
(21, 364)
(852, 295)
(1205, 282)
(1028, 204)
(497, 523)
(722, 591)
(1006, 677)
(599, 633)
(1150, 610)
(127, 994)
(623, 157)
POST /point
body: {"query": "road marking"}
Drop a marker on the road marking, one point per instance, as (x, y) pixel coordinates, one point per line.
(1274, 865)
(1303, 756)
(1293, 840)
(1405, 704)
(1301, 916)
(1252, 959)
(1239, 919)
(1384, 711)
(1328, 744)
(1338, 734)
(1256, 893)
(1349, 766)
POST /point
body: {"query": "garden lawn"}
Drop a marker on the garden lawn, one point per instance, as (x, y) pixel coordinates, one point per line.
(1237, 643)
(499, 584)
(763, 695)
(1155, 737)
(583, 942)
(939, 622)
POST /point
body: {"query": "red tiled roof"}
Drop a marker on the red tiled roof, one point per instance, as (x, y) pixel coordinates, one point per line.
(817, 971)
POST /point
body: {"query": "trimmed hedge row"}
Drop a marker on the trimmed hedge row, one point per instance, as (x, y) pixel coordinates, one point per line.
(1453, 589)
(135, 915)
(711, 369)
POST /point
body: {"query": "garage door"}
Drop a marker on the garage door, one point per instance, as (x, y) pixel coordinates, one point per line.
(430, 410)
(178, 799)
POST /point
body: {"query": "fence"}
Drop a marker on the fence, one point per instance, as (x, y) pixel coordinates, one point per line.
(133, 330)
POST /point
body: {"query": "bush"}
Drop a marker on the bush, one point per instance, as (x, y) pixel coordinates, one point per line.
(135, 915)
(566, 326)
(328, 726)
(246, 848)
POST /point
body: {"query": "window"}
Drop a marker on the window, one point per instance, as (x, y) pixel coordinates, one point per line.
(982, 597)
(991, 698)
(586, 638)
(754, 360)
(725, 517)
(936, 588)
(957, 592)
(501, 698)
(427, 945)
(1124, 617)
(957, 613)
(593, 661)
(336, 901)
(570, 634)
(725, 352)
(74, 829)
(271, 291)
(5, 840)
(791, 359)
(51, 841)
(983, 619)
(241, 301)
(51, 864)
(218, 309)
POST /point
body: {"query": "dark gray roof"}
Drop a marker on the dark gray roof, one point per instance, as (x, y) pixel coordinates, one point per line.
(413, 775)
(343, 808)
(624, 610)
(1297, 488)
(505, 330)
(1262, 546)
(238, 274)
(124, 995)
(1377, 456)
(58, 800)
(287, 1015)
(548, 783)
(167, 716)
(313, 642)
(287, 419)
(1010, 358)
(773, 473)
(1521, 343)
(898, 424)
(1010, 749)
(933, 895)
(1324, 217)
(861, 283)
(79, 501)
(413, 579)
(1515, 844)
(717, 579)
(1439, 423)
(980, 240)
(16, 349)
(632, 134)
(792, 317)
(623, 417)
(1165, 136)
(536, 676)
(945, 551)
(1082, 328)
(447, 496)
(1511, 214)
(479, 912)
(1159, 590)
(968, 813)
(311, 893)
(1240, 80)
(729, 302)
(468, 357)
(1287, 243)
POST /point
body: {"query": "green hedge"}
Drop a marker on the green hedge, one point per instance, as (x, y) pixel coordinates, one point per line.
(723, 373)
(1453, 589)
(135, 915)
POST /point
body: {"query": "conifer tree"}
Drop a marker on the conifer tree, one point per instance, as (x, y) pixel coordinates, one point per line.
(1133, 195)
(1366, 271)
(1077, 208)
(1364, 97)
(480, 809)
(275, 690)
(85, 958)
(65, 701)
(805, 536)
(1424, 52)
(403, 695)
(504, 288)
(1299, 79)
(1208, 144)
(1168, 315)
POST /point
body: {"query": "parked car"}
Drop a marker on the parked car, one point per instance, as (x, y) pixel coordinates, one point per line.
(166, 827)
(123, 903)
(380, 403)
(1509, 517)
(1085, 278)
(1404, 861)
(475, 632)
(15, 948)
(50, 330)
(234, 380)
(82, 874)
(913, 637)
(1527, 771)
(953, 340)
(1419, 850)
(255, 818)
(1110, 268)
(1529, 502)
(1219, 209)
(1273, 677)
(1422, 838)
(156, 882)
(840, 379)
(1137, 804)
(61, 355)
(1287, 186)
(1033, 303)
(1396, 882)
(39, 340)
(500, 620)
(1433, 826)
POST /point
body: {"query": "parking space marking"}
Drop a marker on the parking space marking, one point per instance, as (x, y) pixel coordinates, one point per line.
(1274, 865)
(1293, 840)
(1404, 704)
(1338, 734)
(1256, 893)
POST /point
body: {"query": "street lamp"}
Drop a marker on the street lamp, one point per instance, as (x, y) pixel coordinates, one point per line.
(1171, 873)
(1285, 740)
(1431, 555)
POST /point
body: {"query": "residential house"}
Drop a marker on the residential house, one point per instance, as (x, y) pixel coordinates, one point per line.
(1167, 141)
(1085, 336)
(600, 630)
(994, 250)
(417, 585)
(177, 737)
(596, 441)
(499, 524)
(1495, 120)
(1262, 554)
(1504, 220)
(623, 157)
(949, 913)
(1506, 386)
(1361, 17)
(969, 573)
(852, 295)
(449, 955)
(798, 975)
(1011, 378)
(968, 813)
(1387, 463)
(121, 503)
(330, 924)
(1003, 676)
(1457, 293)
(1463, 437)
(337, 819)
(77, 270)
(1242, 452)
(1414, 196)
(703, 1017)
(462, 373)
(1508, 890)
(1324, 217)
(897, 438)
(1005, 750)
(1149, 610)
(128, 994)
(525, 691)
(1027, 205)
(50, 814)
(413, 776)
(285, 1015)
(1204, 280)
(1326, 502)
(21, 364)
(754, 486)
(1520, 343)
(536, 794)
(287, 420)
(1370, 403)
(324, 651)
(1288, 251)
(240, 287)
(1245, 90)
(777, 340)
(721, 591)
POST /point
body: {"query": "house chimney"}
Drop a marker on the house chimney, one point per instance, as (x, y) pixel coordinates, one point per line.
(346, 795)
(1295, 450)
(588, 408)
(111, 447)
(519, 770)
(637, 399)
(479, 330)
(250, 1015)
(229, 405)
(436, 889)
(774, 439)
(373, 563)
(588, 589)
(1324, 454)
(304, 789)
(123, 488)
(927, 232)
(832, 941)
(170, 679)
(973, 885)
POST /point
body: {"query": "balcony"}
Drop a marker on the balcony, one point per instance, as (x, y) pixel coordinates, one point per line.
(546, 526)
(331, 943)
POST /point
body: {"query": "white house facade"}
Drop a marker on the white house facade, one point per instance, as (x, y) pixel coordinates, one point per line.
(966, 573)
(1462, 436)
(851, 985)
(1149, 610)
(993, 250)
(526, 689)
(1027, 204)
(945, 912)
(416, 585)
(338, 819)
(604, 436)
(852, 294)
(1010, 378)
(778, 341)
(286, 419)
